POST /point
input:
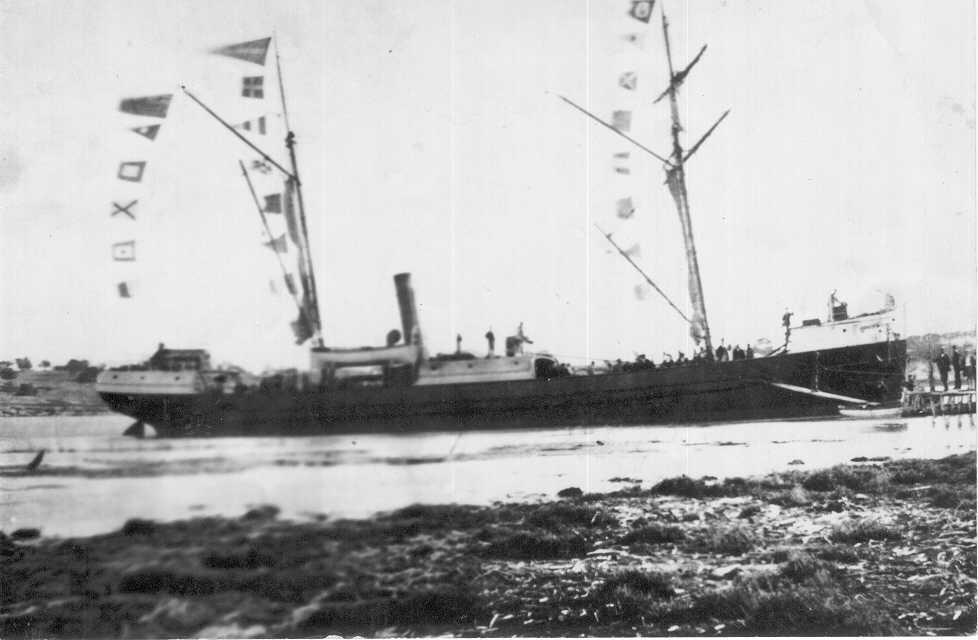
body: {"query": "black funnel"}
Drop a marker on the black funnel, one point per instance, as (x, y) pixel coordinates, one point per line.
(409, 312)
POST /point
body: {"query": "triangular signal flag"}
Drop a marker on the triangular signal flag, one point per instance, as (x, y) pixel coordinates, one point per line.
(149, 131)
(257, 125)
(251, 51)
(278, 244)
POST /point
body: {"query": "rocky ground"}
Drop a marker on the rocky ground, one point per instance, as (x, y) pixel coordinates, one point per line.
(873, 547)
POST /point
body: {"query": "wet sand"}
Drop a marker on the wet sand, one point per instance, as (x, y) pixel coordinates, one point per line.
(865, 548)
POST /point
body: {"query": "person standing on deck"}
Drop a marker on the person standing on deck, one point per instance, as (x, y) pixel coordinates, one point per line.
(458, 343)
(522, 337)
(943, 365)
(491, 339)
(721, 352)
(786, 323)
(956, 365)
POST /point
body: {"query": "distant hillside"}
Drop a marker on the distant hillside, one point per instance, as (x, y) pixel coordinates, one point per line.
(929, 345)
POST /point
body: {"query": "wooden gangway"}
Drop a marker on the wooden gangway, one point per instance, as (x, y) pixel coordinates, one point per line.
(938, 402)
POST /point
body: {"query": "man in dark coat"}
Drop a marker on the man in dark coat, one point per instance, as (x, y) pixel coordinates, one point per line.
(721, 353)
(969, 370)
(956, 365)
(491, 339)
(943, 365)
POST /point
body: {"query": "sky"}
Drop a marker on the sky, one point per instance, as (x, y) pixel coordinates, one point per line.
(431, 140)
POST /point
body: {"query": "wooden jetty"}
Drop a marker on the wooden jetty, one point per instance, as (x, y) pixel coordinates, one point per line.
(938, 402)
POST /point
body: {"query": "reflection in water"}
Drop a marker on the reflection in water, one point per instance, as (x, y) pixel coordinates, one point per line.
(93, 479)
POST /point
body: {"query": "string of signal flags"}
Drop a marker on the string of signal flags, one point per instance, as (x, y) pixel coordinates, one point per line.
(150, 113)
(621, 120)
(125, 209)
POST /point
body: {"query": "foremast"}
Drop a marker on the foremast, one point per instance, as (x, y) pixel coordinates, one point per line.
(309, 320)
(308, 325)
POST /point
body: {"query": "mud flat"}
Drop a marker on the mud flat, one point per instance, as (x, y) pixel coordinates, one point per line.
(872, 547)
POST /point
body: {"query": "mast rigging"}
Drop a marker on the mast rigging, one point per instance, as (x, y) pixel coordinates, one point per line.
(627, 257)
(271, 236)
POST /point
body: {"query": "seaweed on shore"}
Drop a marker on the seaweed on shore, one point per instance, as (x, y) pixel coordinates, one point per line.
(884, 548)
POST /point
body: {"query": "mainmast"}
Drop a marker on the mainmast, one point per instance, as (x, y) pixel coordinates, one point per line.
(674, 167)
(676, 181)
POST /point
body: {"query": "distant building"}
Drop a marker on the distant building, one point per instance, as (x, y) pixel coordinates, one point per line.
(180, 359)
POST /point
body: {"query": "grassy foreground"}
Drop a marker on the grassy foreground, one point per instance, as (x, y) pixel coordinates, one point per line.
(861, 549)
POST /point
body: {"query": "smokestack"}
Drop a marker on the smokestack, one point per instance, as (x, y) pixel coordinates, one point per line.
(409, 312)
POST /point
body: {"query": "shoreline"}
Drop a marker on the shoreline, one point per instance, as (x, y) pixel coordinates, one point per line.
(46, 411)
(856, 549)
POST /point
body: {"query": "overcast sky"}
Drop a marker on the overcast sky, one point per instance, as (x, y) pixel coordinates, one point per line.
(431, 141)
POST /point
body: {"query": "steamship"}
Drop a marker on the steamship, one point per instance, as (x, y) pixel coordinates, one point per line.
(400, 387)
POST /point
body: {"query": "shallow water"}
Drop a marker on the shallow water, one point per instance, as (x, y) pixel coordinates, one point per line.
(93, 479)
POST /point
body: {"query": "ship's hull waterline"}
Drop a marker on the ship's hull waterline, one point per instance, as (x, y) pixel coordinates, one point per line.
(705, 392)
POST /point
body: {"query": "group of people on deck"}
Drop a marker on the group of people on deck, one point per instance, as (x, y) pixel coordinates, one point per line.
(959, 364)
(724, 354)
(641, 362)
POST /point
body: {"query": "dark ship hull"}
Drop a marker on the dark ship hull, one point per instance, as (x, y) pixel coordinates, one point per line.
(703, 392)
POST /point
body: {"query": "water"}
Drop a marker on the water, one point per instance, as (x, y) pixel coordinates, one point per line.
(93, 479)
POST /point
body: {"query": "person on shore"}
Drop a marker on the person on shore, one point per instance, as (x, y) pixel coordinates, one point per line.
(749, 355)
(956, 365)
(590, 368)
(491, 339)
(969, 370)
(943, 365)
(738, 353)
